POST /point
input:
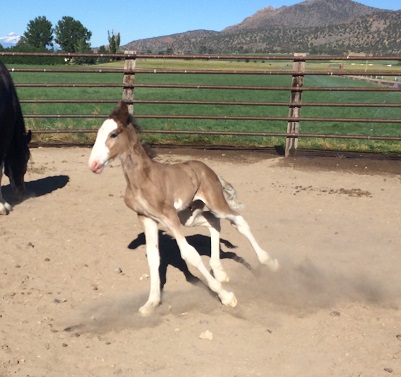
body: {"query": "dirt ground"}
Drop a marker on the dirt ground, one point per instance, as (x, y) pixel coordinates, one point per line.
(73, 274)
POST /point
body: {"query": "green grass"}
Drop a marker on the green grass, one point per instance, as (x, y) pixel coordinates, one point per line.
(219, 110)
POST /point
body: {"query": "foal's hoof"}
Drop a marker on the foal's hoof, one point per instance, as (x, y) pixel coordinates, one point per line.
(273, 264)
(148, 308)
(230, 300)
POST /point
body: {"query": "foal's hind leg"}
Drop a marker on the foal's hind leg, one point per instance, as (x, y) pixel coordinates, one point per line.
(239, 222)
(5, 208)
(208, 220)
(217, 204)
(191, 256)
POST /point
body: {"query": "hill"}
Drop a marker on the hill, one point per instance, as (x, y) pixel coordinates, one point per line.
(315, 26)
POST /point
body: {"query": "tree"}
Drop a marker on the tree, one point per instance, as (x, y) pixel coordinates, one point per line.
(71, 35)
(114, 42)
(83, 47)
(102, 50)
(39, 33)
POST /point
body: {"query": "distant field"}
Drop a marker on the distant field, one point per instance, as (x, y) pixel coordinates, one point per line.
(221, 110)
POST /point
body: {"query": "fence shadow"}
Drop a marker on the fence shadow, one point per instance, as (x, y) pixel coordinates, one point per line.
(170, 254)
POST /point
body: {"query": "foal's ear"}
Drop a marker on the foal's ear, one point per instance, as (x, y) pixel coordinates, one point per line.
(121, 113)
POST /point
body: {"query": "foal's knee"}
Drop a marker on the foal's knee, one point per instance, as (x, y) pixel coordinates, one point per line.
(190, 255)
(240, 223)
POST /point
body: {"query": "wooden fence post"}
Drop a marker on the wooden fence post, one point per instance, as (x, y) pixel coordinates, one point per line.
(129, 78)
(291, 143)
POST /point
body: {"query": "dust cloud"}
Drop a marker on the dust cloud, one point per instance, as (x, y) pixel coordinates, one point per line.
(307, 287)
(296, 289)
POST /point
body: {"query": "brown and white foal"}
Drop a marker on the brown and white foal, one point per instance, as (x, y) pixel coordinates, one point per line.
(188, 193)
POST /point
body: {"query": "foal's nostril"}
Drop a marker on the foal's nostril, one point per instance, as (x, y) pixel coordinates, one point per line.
(93, 165)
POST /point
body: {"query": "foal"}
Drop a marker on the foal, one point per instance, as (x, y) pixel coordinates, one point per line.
(187, 193)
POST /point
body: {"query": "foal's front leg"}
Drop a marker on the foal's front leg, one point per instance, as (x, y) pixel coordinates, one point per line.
(153, 256)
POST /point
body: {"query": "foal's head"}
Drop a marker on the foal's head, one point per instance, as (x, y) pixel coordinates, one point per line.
(114, 137)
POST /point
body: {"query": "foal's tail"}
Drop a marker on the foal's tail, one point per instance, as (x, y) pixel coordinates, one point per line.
(230, 194)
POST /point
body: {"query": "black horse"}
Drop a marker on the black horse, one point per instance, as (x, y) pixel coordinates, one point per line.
(14, 139)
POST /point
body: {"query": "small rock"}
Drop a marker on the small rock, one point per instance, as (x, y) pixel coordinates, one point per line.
(59, 301)
(206, 335)
(144, 276)
(335, 313)
(388, 370)
(398, 336)
(118, 270)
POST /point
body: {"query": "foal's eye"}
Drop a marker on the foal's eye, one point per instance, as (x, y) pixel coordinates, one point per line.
(113, 135)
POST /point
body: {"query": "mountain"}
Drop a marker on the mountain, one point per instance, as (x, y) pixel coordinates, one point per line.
(179, 42)
(314, 26)
(312, 13)
(10, 40)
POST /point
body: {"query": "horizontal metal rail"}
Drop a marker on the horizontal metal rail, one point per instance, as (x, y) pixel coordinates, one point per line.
(211, 87)
(45, 101)
(223, 103)
(232, 133)
(135, 55)
(211, 72)
(221, 117)
(282, 88)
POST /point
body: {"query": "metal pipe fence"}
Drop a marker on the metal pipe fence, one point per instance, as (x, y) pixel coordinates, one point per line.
(386, 80)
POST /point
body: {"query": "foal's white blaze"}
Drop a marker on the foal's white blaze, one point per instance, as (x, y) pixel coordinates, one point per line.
(99, 157)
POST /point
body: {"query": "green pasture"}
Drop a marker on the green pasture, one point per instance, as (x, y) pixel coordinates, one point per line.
(89, 93)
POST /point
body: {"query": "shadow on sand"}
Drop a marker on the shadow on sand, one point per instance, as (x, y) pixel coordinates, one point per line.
(39, 187)
(170, 254)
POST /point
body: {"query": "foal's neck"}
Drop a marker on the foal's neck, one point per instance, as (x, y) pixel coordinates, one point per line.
(134, 159)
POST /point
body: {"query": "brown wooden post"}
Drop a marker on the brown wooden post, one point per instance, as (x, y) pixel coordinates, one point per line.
(129, 78)
(291, 143)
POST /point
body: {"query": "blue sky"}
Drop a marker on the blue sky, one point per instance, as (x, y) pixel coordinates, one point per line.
(143, 19)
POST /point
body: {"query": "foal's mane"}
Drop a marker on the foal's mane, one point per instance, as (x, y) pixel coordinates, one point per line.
(133, 122)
